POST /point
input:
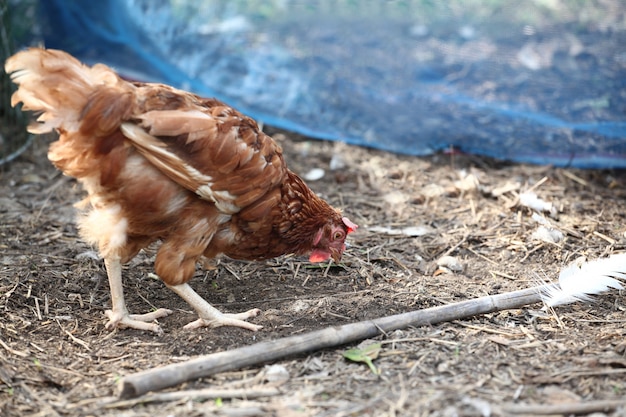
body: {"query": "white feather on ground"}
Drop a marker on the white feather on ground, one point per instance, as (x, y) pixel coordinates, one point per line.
(580, 281)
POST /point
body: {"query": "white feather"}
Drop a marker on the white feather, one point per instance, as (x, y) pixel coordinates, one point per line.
(580, 281)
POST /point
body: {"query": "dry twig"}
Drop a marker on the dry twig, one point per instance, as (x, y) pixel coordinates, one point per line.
(13, 351)
(197, 395)
(564, 409)
(203, 366)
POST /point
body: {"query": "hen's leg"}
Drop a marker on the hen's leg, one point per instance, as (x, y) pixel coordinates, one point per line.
(118, 315)
(209, 315)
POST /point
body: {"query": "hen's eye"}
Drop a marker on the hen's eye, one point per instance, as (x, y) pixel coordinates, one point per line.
(338, 236)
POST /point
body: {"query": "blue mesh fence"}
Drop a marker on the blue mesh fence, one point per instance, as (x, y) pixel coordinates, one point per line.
(536, 81)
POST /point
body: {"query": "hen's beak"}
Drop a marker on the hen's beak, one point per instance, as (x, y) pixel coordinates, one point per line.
(335, 254)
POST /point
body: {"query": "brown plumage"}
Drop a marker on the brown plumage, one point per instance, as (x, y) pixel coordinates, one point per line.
(160, 164)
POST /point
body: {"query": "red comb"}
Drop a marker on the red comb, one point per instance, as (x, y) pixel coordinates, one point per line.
(351, 226)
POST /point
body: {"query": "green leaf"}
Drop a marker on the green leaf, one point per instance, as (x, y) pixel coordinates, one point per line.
(366, 354)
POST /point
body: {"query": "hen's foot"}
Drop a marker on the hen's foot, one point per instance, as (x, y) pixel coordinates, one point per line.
(136, 321)
(224, 319)
(211, 316)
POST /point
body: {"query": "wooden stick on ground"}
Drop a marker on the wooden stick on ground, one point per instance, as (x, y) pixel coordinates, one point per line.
(566, 408)
(196, 395)
(167, 376)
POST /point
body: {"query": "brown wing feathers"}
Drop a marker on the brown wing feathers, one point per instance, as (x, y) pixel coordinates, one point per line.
(221, 165)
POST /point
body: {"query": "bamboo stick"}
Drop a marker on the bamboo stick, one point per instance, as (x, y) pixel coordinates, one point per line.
(170, 375)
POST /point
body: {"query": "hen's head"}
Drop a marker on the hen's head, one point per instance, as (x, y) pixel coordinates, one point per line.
(329, 241)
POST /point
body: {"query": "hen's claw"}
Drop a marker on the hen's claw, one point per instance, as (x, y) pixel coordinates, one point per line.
(136, 321)
(226, 319)
(210, 316)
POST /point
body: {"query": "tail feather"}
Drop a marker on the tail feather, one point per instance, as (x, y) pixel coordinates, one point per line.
(55, 85)
(86, 105)
(580, 281)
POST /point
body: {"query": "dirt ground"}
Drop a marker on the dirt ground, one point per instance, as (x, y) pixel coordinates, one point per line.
(57, 359)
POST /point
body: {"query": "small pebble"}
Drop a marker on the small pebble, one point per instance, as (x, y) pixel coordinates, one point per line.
(315, 174)
(337, 162)
(547, 234)
(450, 262)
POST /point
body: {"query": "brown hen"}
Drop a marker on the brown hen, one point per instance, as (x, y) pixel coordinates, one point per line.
(161, 164)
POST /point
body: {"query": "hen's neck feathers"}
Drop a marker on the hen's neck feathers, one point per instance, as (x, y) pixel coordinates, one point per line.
(303, 213)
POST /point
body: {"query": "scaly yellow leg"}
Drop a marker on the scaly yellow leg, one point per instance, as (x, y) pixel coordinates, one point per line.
(118, 315)
(211, 316)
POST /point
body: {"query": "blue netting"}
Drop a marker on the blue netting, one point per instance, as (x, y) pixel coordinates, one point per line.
(405, 76)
